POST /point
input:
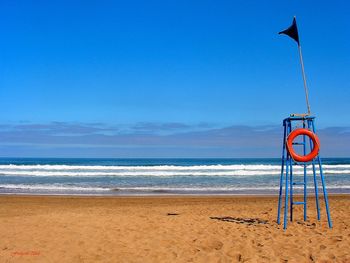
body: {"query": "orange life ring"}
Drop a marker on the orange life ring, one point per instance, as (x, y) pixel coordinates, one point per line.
(315, 142)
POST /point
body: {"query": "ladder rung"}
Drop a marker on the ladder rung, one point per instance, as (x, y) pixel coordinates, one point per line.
(298, 203)
(298, 143)
(296, 163)
(298, 183)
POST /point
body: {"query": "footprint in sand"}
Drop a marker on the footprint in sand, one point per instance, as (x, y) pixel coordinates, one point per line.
(212, 244)
(336, 238)
(322, 247)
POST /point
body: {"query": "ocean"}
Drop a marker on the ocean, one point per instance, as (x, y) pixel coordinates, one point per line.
(158, 176)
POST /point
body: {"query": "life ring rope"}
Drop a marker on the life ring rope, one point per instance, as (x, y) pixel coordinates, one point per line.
(315, 143)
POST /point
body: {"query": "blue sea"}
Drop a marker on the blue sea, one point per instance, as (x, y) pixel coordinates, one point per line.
(158, 176)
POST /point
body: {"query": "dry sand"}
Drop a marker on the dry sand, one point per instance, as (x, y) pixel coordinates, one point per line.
(167, 229)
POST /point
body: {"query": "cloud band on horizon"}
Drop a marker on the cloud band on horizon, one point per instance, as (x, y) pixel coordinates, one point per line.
(155, 140)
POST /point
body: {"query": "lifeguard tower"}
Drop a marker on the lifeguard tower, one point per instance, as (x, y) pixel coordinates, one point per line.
(294, 126)
(290, 159)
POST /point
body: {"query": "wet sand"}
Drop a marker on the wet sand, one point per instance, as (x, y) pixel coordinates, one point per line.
(168, 229)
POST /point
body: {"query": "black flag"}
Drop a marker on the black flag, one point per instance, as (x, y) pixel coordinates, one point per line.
(292, 31)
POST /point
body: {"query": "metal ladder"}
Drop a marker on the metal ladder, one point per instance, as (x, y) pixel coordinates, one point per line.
(287, 164)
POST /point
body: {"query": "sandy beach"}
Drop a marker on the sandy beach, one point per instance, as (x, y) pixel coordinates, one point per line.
(167, 229)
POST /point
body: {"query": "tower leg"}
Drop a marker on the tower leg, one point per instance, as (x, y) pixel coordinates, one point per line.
(325, 195)
(314, 177)
(286, 195)
(305, 177)
(291, 188)
(305, 182)
(281, 177)
(291, 180)
(316, 190)
(288, 162)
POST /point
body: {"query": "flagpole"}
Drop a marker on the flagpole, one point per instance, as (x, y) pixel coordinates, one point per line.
(304, 79)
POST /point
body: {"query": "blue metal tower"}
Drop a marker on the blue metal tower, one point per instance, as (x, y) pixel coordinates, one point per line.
(287, 170)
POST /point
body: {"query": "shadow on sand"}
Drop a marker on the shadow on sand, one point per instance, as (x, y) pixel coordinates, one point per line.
(238, 220)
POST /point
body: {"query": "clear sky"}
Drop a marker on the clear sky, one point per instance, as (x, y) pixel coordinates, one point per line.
(75, 69)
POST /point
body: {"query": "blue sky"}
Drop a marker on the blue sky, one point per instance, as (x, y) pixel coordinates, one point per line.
(170, 70)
